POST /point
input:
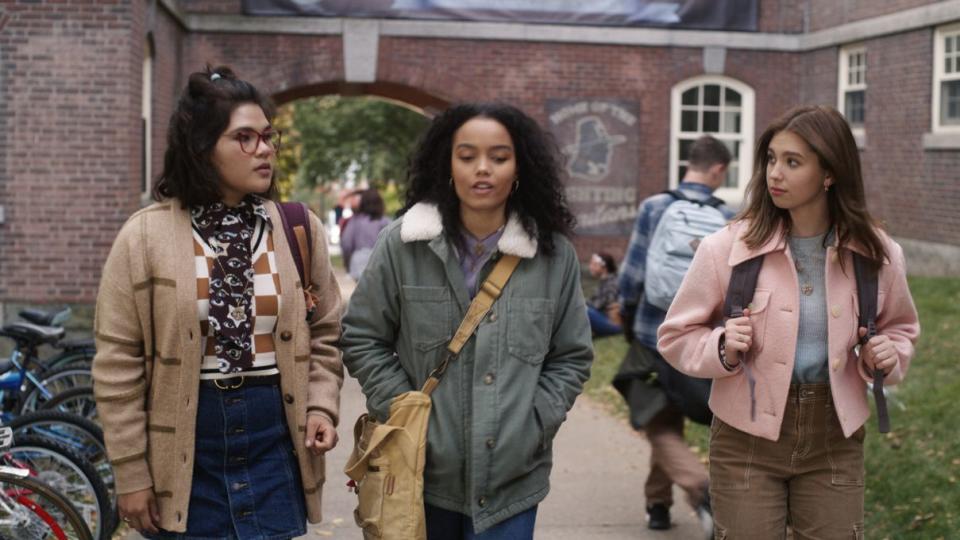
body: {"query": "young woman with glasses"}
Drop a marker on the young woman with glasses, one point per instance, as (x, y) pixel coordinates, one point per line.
(218, 394)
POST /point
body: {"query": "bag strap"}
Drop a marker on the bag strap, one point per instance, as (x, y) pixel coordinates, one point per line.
(296, 226)
(743, 282)
(867, 291)
(713, 201)
(482, 302)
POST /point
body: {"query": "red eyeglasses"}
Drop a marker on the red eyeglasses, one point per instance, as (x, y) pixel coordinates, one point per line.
(249, 140)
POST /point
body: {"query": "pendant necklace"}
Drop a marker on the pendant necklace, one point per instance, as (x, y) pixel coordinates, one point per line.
(805, 286)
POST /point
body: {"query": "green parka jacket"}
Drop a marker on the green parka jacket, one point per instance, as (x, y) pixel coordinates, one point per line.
(499, 405)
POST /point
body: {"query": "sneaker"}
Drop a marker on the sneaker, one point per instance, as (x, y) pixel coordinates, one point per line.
(658, 517)
(705, 515)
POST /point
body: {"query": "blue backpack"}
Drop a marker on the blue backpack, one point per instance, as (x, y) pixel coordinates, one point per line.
(683, 225)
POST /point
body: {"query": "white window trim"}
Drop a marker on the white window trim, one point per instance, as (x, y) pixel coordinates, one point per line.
(747, 110)
(843, 86)
(939, 76)
(146, 115)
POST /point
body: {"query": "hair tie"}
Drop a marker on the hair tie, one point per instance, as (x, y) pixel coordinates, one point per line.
(214, 77)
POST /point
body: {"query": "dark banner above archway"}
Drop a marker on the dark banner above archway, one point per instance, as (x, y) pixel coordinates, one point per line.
(740, 15)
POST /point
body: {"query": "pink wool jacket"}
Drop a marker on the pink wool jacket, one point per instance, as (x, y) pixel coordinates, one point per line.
(690, 335)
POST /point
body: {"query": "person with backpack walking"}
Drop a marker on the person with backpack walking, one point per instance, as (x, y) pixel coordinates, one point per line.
(667, 230)
(217, 379)
(791, 361)
(485, 187)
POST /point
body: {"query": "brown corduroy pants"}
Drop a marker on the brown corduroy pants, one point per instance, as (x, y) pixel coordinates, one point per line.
(811, 478)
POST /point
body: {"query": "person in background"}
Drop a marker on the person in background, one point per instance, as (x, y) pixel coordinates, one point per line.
(484, 181)
(603, 309)
(217, 392)
(671, 459)
(790, 449)
(357, 241)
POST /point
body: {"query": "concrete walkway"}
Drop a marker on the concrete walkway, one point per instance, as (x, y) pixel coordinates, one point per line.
(600, 464)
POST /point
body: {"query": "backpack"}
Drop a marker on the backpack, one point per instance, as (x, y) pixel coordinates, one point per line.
(683, 224)
(743, 281)
(296, 226)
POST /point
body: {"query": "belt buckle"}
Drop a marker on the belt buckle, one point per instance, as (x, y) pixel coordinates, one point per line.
(216, 382)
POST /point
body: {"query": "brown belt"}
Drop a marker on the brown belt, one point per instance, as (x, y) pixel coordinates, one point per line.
(242, 381)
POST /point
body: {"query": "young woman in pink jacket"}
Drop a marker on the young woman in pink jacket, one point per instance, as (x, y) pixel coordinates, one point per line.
(798, 458)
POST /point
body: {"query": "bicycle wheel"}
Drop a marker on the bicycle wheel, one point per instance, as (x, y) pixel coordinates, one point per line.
(78, 401)
(71, 475)
(54, 382)
(74, 432)
(69, 357)
(31, 510)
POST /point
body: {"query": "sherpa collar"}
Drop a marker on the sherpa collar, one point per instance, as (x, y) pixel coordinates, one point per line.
(423, 222)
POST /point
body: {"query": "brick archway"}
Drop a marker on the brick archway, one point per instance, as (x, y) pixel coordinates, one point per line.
(400, 94)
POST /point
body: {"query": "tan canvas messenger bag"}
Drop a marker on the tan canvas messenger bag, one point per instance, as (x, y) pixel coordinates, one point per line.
(387, 462)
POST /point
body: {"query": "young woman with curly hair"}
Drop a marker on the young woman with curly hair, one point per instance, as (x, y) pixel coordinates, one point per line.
(484, 182)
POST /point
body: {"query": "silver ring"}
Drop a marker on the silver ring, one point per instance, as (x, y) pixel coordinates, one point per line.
(125, 519)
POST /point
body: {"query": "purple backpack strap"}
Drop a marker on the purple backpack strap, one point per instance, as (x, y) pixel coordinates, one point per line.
(294, 214)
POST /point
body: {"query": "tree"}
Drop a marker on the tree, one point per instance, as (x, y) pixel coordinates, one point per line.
(332, 136)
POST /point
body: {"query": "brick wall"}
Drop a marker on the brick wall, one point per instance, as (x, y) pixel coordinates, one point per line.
(70, 113)
(829, 13)
(70, 166)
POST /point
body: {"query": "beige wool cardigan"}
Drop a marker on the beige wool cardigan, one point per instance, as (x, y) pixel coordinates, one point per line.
(147, 368)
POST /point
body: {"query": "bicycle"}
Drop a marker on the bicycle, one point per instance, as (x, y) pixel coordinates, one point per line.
(22, 388)
(31, 510)
(71, 475)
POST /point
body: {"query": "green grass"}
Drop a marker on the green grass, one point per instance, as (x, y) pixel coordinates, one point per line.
(912, 472)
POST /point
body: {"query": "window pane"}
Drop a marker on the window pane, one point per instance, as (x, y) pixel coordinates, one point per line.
(733, 147)
(854, 104)
(711, 121)
(711, 94)
(685, 145)
(682, 172)
(733, 176)
(688, 121)
(691, 96)
(732, 97)
(950, 103)
(948, 45)
(949, 67)
(731, 122)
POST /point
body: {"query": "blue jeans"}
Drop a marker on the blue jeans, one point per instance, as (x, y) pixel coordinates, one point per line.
(446, 525)
(246, 481)
(600, 324)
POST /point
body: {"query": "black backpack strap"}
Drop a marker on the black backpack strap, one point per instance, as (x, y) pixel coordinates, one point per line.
(867, 291)
(743, 282)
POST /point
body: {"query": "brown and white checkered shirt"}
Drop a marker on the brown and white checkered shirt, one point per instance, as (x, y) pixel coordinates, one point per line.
(265, 307)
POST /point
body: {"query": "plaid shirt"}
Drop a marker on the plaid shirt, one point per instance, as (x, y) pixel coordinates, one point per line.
(633, 270)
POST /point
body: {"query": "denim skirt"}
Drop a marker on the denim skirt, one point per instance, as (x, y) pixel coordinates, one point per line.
(246, 480)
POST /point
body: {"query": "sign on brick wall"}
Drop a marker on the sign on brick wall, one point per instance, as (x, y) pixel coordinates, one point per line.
(600, 142)
(740, 15)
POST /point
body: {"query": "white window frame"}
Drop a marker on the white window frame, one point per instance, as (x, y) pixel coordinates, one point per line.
(940, 76)
(146, 115)
(746, 137)
(844, 85)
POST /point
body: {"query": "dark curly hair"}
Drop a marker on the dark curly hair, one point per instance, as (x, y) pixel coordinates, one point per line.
(202, 115)
(539, 202)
